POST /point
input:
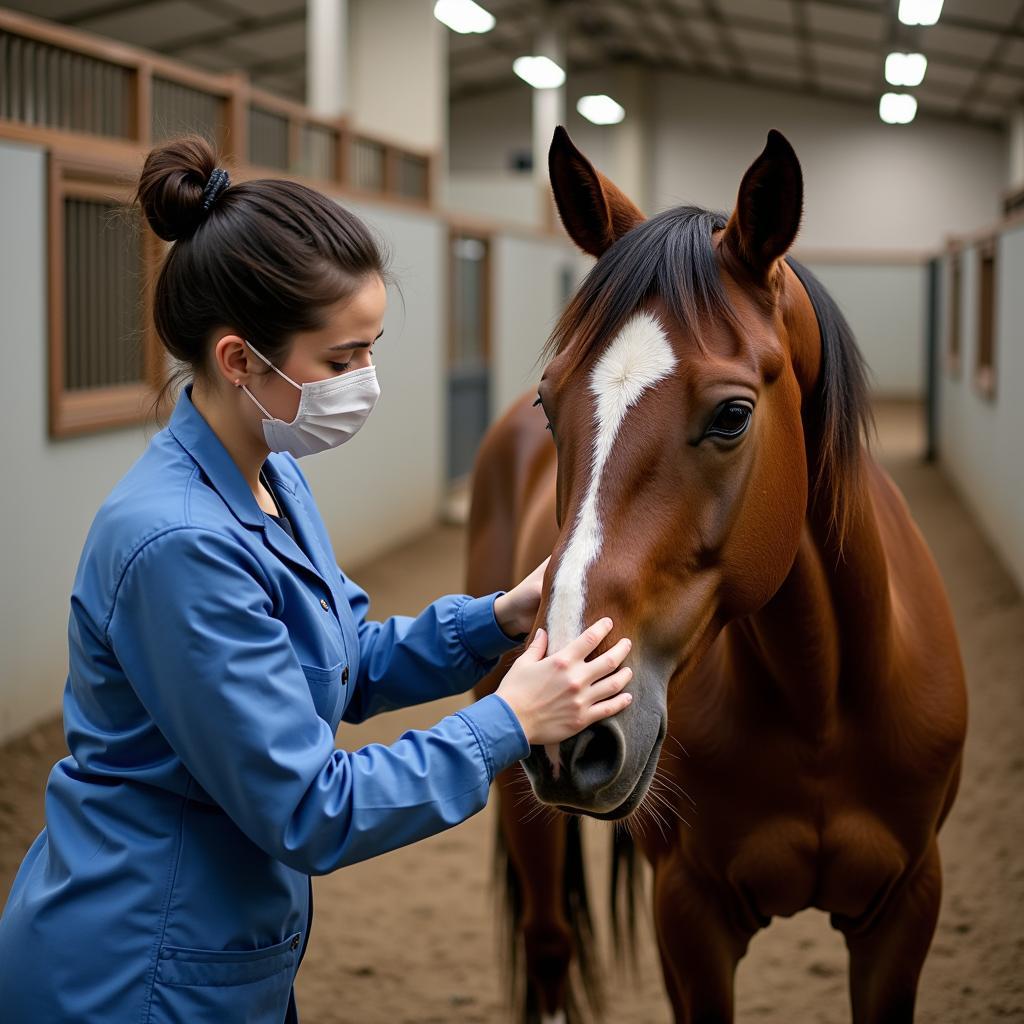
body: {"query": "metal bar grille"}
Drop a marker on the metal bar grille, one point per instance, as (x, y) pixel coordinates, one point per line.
(102, 296)
(412, 176)
(268, 138)
(368, 164)
(46, 85)
(179, 108)
(319, 148)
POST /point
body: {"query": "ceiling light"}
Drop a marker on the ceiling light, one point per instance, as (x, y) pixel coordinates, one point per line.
(897, 108)
(540, 72)
(905, 68)
(463, 16)
(601, 109)
(920, 12)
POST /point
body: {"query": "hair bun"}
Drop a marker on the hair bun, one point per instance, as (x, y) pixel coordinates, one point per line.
(170, 189)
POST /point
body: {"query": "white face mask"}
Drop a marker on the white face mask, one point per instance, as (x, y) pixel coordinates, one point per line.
(330, 411)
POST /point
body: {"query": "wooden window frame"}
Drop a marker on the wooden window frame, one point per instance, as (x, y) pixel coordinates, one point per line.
(453, 234)
(72, 413)
(954, 312)
(985, 350)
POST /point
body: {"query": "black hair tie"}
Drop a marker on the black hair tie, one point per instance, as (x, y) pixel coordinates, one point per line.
(217, 182)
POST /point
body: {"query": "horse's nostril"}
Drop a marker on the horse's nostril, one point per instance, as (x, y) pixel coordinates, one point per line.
(597, 757)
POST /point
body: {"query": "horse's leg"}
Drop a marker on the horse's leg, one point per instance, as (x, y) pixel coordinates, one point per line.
(536, 845)
(536, 848)
(699, 945)
(886, 957)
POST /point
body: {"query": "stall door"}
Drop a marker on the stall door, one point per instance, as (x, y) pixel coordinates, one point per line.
(468, 359)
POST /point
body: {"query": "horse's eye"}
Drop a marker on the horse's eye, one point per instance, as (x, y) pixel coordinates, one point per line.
(730, 420)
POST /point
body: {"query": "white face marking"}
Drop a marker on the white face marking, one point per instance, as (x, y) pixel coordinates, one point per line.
(553, 1018)
(638, 357)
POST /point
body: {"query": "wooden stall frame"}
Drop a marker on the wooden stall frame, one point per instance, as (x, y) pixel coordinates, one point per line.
(72, 413)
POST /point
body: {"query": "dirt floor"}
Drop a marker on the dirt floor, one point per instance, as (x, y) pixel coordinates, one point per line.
(409, 938)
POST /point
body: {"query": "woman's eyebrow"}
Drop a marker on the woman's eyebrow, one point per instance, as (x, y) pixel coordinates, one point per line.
(353, 344)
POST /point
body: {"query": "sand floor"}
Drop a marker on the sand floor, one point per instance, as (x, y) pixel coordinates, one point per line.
(409, 938)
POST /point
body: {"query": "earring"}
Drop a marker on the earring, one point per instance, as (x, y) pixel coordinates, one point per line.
(238, 383)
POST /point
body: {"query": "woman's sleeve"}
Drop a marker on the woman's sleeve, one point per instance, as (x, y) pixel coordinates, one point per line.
(192, 628)
(446, 649)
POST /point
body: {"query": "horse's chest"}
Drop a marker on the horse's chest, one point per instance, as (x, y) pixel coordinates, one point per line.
(842, 867)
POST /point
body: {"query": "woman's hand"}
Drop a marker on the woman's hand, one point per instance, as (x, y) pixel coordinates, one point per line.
(516, 610)
(558, 696)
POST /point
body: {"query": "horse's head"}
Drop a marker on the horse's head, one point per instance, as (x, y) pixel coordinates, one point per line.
(674, 396)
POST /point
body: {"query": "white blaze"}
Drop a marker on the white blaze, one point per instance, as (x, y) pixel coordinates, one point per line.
(638, 357)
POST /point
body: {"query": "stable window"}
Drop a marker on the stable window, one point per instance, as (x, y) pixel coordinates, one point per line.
(103, 360)
(984, 367)
(953, 310)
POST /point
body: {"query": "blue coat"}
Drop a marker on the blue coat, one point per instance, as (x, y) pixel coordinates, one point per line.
(210, 663)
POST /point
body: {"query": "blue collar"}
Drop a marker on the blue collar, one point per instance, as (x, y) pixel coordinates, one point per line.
(196, 436)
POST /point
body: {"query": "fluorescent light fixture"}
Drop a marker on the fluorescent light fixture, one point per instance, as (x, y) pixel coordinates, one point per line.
(540, 72)
(601, 109)
(920, 12)
(905, 68)
(463, 16)
(897, 108)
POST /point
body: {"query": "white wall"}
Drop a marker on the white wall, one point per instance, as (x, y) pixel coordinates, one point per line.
(980, 439)
(885, 305)
(527, 280)
(868, 185)
(385, 485)
(53, 489)
(398, 71)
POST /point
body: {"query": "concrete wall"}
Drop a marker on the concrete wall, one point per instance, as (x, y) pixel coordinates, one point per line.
(53, 489)
(386, 483)
(980, 438)
(885, 305)
(869, 186)
(398, 71)
(528, 278)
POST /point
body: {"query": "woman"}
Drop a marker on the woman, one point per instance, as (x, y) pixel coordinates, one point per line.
(215, 645)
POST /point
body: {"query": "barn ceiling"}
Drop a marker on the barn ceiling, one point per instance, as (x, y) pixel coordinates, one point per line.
(825, 47)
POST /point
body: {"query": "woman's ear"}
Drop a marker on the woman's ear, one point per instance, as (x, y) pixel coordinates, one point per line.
(231, 359)
(594, 211)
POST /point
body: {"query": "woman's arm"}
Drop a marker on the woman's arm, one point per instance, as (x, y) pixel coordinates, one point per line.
(191, 627)
(403, 660)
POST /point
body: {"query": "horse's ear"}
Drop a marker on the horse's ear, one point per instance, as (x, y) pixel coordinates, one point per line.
(594, 211)
(768, 208)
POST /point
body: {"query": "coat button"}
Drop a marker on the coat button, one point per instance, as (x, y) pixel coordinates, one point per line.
(323, 604)
(344, 675)
(295, 942)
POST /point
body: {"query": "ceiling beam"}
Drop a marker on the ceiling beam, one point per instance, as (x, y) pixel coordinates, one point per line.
(951, 20)
(243, 23)
(977, 86)
(826, 92)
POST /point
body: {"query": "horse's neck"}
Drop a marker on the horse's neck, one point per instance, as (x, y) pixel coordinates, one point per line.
(830, 621)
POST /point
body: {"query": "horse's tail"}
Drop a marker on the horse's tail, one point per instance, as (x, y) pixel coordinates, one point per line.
(626, 886)
(583, 988)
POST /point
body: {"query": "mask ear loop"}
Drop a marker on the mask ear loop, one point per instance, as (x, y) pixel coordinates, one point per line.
(262, 408)
(272, 366)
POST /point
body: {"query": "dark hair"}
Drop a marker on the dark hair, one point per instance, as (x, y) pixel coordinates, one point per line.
(267, 259)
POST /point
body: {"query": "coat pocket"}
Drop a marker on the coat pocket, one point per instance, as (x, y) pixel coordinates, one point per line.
(207, 986)
(325, 689)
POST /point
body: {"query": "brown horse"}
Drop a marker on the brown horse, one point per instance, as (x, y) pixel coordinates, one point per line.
(709, 486)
